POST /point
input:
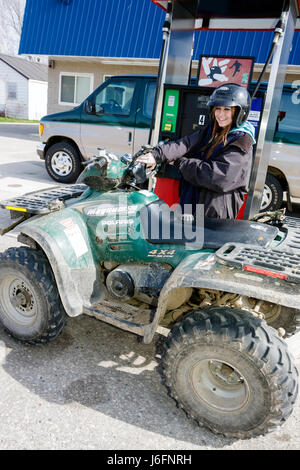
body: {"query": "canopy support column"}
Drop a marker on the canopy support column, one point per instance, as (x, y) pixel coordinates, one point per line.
(270, 113)
(176, 64)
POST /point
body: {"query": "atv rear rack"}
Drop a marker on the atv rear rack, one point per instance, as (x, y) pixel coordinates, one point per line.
(43, 201)
(278, 263)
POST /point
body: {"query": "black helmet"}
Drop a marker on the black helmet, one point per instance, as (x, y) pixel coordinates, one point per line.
(231, 94)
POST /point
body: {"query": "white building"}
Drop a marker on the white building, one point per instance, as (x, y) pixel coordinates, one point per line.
(23, 88)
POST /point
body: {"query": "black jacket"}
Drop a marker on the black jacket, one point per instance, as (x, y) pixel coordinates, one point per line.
(221, 181)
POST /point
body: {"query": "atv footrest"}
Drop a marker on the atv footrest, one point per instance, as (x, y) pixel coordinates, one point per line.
(275, 263)
(43, 201)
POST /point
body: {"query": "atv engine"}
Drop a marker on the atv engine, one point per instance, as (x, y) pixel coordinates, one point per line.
(139, 281)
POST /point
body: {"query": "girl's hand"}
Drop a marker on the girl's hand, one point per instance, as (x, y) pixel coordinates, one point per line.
(149, 160)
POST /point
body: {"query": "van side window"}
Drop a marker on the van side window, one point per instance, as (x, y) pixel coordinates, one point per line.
(115, 98)
(288, 126)
(149, 99)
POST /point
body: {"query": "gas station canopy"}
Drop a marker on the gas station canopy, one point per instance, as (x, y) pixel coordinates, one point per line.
(232, 8)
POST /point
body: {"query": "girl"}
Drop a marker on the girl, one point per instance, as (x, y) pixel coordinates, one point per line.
(214, 163)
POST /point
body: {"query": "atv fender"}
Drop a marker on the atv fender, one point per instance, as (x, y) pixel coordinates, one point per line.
(202, 270)
(64, 239)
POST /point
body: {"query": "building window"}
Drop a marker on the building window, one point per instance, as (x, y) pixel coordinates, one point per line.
(11, 91)
(74, 88)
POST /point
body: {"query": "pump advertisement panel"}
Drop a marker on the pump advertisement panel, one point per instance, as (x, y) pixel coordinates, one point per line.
(215, 70)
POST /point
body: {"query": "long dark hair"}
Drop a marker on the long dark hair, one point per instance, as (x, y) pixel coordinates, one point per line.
(218, 134)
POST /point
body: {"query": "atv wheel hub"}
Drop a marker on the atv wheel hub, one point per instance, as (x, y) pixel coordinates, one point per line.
(19, 301)
(219, 385)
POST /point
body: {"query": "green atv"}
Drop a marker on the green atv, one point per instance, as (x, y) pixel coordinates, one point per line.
(227, 290)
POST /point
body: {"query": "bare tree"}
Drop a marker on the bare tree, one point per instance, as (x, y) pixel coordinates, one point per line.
(15, 11)
(11, 20)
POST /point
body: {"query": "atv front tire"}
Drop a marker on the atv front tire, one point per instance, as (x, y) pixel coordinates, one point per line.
(230, 372)
(30, 306)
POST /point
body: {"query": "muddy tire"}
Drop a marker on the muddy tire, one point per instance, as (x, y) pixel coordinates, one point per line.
(30, 306)
(230, 372)
(287, 318)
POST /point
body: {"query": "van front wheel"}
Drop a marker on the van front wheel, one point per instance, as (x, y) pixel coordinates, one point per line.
(63, 162)
(272, 195)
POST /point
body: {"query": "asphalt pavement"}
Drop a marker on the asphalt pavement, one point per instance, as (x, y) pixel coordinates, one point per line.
(95, 387)
(24, 131)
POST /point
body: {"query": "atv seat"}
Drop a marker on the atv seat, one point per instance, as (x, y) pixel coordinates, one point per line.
(162, 225)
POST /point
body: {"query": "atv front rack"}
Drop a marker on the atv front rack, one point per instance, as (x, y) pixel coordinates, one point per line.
(43, 201)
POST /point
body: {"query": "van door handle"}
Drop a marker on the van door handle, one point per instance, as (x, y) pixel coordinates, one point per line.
(129, 137)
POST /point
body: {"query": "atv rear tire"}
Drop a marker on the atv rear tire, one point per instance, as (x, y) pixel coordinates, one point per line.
(230, 372)
(30, 306)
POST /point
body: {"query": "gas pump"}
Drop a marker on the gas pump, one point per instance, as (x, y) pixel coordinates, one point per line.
(181, 107)
(184, 112)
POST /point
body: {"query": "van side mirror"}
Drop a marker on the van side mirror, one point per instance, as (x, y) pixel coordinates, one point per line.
(92, 108)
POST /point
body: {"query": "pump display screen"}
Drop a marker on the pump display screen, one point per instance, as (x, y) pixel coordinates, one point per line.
(195, 113)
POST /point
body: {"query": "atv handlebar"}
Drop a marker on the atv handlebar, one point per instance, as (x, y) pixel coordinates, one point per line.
(133, 174)
(136, 172)
(143, 150)
(101, 161)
